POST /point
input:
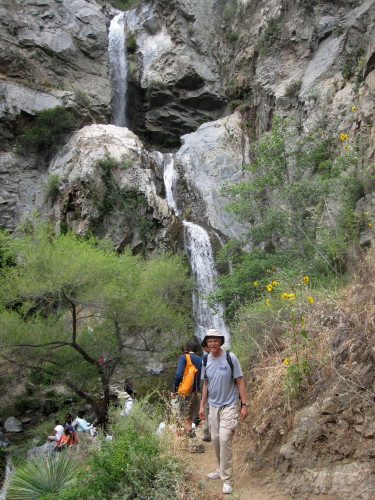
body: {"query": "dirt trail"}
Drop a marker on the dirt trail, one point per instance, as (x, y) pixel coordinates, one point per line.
(248, 485)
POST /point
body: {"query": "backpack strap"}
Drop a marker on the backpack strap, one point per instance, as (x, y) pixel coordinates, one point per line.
(229, 360)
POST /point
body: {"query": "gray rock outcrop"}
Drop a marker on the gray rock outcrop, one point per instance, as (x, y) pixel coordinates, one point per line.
(51, 50)
(174, 71)
(134, 182)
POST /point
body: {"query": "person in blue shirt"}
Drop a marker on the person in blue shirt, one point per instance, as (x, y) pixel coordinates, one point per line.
(188, 406)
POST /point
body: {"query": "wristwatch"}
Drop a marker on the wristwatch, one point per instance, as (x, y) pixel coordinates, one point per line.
(245, 404)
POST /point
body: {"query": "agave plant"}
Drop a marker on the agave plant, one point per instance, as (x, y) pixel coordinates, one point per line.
(43, 475)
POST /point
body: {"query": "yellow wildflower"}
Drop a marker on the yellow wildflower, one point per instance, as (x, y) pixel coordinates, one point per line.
(255, 283)
(366, 213)
(267, 270)
(268, 303)
(369, 224)
(343, 136)
(360, 95)
(286, 361)
(284, 296)
(274, 283)
(303, 320)
(269, 287)
(306, 279)
(346, 147)
(310, 299)
(354, 109)
(291, 296)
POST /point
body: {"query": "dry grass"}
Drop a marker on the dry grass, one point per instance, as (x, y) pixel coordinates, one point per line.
(340, 329)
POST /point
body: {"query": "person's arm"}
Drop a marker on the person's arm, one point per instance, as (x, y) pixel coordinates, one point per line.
(241, 389)
(203, 399)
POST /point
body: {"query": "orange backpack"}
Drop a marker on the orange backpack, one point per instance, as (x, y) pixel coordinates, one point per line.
(186, 385)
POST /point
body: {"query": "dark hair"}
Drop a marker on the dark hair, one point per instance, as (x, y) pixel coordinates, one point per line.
(80, 413)
(191, 345)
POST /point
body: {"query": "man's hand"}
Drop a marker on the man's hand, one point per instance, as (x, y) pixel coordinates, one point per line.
(172, 395)
(244, 412)
(201, 413)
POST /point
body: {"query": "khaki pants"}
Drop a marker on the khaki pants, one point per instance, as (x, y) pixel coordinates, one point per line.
(223, 422)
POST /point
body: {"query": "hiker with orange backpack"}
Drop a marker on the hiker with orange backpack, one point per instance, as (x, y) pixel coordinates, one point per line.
(186, 386)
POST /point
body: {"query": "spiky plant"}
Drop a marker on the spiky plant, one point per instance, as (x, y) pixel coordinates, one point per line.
(43, 475)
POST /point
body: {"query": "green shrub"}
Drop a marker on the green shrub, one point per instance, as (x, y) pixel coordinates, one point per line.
(49, 129)
(134, 464)
(51, 186)
(232, 36)
(352, 64)
(270, 38)
(24, 404)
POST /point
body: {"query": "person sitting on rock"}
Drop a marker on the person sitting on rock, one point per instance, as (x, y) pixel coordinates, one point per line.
(80, 424)
(58, 431)
(68, 424)
(64, 441)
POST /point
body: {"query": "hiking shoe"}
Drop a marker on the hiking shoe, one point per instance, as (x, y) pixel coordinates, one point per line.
(213, 475)
(227, 488)
(191, 433)
(207, 439)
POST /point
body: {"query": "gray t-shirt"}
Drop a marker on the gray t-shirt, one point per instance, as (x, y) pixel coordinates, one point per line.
(222, 388)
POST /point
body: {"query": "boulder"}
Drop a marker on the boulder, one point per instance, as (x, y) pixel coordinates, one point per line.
(12, 424)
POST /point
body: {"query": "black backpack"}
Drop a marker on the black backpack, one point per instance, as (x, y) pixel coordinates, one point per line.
(229, 359)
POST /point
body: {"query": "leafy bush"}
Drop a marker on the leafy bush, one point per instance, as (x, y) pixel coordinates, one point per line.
(51, 186)
(232, 36)
(134, 464)
(49, 129)
(291, 184)
(270, 38)
(24, 404)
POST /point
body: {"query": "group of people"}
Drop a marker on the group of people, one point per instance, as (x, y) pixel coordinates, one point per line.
(67, 435)
(221, 402)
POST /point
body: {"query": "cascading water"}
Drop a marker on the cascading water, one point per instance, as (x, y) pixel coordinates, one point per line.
(118, 68)
(199, 250)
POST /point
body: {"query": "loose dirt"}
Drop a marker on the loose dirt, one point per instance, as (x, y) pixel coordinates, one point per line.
(248, 485)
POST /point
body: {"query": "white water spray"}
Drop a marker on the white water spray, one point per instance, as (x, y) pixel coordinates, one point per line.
(118, 68)
(199, 250)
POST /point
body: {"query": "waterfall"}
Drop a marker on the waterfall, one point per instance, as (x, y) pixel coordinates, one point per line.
(199, 251)
(118, 68)
(170, 180)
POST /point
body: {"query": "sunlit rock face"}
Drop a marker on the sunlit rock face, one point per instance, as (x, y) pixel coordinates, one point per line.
(119, 200)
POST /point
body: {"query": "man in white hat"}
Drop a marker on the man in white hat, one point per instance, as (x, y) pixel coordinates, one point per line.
(224, 388)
